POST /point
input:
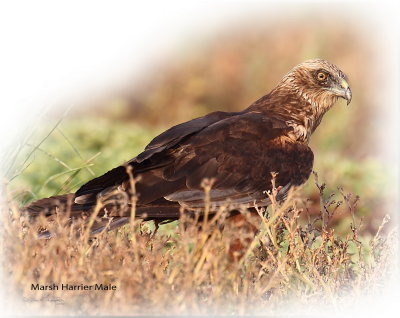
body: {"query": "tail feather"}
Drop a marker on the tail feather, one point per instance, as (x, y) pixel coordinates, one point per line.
(49, 206)
(110, 216)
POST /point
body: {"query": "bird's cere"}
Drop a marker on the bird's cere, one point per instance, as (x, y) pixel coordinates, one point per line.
(344, 84)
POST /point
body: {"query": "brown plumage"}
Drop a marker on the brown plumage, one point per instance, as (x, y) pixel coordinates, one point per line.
(239, 150)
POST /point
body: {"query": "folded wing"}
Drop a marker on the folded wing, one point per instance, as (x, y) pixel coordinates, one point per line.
(237, 150)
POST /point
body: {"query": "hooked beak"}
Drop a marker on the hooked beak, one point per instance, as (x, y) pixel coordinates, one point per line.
(345, 91)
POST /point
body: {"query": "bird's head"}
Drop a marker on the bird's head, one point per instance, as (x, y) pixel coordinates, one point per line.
(319, 82)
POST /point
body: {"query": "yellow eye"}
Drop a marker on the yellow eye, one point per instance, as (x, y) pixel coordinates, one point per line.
(321, 76)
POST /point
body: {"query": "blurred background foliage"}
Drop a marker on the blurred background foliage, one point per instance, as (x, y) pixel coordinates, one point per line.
(226, 70)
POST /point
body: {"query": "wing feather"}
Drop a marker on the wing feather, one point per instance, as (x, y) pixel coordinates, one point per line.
(164, 141)
(238, 150)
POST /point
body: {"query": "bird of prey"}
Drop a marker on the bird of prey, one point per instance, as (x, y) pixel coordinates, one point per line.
(238, 150)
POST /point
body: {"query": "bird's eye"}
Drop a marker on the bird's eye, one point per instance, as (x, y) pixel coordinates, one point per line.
(321, 76)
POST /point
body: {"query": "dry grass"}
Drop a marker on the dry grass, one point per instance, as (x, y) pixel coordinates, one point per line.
(186, 268)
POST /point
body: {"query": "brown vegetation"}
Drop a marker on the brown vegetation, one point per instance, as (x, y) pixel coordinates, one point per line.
(185, 267)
